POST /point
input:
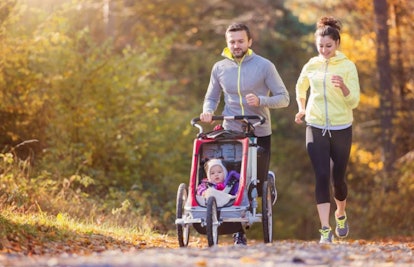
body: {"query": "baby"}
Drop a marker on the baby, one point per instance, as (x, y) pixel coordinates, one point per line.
(218, 178)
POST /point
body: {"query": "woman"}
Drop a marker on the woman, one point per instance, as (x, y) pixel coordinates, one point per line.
(334, 93)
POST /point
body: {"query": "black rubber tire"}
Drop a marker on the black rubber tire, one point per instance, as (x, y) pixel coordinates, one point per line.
(267, 213)
(212, 222)
(183, 231)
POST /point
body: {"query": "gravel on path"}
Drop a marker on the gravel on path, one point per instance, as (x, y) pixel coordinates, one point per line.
(280, 253)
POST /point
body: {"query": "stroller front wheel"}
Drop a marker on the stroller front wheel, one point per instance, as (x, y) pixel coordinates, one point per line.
(267, 215)
(212, 222)
(183, 231)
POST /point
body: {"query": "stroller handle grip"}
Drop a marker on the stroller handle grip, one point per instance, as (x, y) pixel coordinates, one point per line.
(237, 117)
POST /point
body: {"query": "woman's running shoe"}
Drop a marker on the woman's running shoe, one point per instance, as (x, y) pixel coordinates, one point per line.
(342, 228)
(326, 235)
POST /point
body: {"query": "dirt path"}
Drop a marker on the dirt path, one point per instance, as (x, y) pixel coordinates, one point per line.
(279, 253)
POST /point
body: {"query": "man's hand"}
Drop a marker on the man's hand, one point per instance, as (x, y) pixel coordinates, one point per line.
(252, 100)
(206, 117)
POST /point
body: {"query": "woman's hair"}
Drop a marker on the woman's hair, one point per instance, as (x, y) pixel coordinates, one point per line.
(329, 26)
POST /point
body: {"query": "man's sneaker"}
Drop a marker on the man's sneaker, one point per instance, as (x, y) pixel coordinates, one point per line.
(271, 178)
(326, 235)
(239, 238)
(342, 228)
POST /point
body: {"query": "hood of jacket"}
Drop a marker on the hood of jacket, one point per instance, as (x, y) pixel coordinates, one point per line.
(335, 60)
(227, 53)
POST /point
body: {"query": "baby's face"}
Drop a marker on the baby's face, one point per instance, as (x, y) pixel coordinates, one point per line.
(216, 174)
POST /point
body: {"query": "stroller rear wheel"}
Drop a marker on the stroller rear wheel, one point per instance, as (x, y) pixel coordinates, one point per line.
(183, 231)
(267, 212)
(212, 222)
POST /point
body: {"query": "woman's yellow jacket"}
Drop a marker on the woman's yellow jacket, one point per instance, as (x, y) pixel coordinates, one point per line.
(327, 107)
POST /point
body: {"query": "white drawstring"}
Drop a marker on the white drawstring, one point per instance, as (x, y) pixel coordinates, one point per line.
(326, 130)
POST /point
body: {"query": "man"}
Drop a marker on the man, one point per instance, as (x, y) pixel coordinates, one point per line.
(251, 86)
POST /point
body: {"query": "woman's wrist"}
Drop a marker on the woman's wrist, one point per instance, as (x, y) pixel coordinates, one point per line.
(345, 90)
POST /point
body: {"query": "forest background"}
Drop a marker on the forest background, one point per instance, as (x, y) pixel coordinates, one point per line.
(96, 97)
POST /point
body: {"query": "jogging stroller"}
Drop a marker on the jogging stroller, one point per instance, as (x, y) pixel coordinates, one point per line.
(219, 214)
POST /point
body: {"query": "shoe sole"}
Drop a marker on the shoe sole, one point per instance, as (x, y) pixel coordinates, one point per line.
(341, 236)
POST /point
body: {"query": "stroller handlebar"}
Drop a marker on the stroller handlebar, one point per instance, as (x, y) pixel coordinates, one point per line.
(246, 118)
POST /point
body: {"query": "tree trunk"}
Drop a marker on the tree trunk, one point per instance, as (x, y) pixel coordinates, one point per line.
(109, 18)
(385, 82)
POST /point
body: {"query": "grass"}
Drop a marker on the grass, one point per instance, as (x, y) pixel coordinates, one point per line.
(40, 234)
(32, 221)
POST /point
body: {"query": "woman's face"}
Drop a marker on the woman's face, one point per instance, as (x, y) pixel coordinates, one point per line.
(326, 46)
(216, 174)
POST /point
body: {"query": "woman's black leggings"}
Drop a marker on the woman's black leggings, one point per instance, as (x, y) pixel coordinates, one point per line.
(335, 146)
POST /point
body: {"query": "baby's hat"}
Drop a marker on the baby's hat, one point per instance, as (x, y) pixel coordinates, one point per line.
(214, 162)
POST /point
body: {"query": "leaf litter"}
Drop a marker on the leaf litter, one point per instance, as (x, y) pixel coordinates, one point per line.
(162, 250)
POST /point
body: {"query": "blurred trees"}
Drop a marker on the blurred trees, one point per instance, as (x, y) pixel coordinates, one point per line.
(108, 88)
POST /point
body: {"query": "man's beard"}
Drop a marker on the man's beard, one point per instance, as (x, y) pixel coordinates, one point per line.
(240, 54)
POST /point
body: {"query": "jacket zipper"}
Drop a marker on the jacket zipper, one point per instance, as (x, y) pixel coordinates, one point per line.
(238, 85)
(326, 129)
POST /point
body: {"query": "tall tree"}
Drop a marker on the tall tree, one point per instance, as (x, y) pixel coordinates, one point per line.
(385, 81)
(401, 48)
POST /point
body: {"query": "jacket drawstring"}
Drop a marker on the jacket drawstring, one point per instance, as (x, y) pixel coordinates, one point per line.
(326, 130)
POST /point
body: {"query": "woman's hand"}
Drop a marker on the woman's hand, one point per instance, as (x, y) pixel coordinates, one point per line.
(338, 81)
(299, 116)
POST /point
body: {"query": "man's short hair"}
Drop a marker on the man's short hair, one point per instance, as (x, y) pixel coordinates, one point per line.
(235, 27)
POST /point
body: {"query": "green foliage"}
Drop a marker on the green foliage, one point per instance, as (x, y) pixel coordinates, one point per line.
(100, 118)
(397, 200)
